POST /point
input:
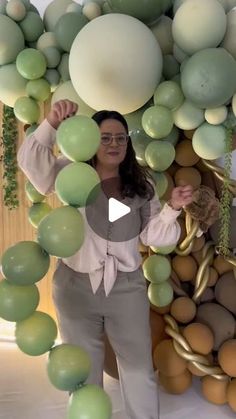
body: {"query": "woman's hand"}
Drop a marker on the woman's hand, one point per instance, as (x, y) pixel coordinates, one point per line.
(61, 110)
(181, 196)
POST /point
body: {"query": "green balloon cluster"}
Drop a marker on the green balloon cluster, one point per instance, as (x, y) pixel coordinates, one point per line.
(157, 270)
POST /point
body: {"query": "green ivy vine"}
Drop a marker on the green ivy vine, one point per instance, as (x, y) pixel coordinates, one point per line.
(9, 137)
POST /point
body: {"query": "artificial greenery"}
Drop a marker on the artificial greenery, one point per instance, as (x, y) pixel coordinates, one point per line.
(9, 137)
(226, 197)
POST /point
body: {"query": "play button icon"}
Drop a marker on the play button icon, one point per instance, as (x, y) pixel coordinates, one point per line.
(116, 210)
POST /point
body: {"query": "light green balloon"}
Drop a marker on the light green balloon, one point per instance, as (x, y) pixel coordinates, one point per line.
(37, 212)
(53, 12)
(61, 232)
(146, 11)
(63, 67)
(66, 375)
(17, 302)
(156, 268)
(78, 138)
(36, 334)
(25, 263)
(67, 91)
(31, 63)
(160, 295)
(12, 84)
(12, 40)
(32, 194)
(89, 402)
(26, 110)
(159, 155)
(32, 26)
(188, 116)
(47, 39)
(169, 94)
(75, 184)
(157, 121)
(67, 27)
(52, 56)
(38, 89)
(165, 250)
(140, 142)
(209, 141)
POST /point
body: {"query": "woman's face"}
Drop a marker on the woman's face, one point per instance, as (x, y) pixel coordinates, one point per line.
(113, 153)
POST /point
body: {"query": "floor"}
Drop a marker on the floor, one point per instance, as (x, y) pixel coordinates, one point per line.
(26, 393)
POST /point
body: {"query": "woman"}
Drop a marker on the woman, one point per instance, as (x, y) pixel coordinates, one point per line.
(102, 286)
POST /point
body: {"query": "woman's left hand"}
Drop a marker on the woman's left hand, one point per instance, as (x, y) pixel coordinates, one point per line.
(181, 196)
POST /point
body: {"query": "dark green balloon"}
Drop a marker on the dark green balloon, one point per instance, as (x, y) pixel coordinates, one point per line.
(17, 302)
(25, 263)
(68, 366)
(147, 11)
(89, 402)
(32, 26)
(36, 334)
(32, 194)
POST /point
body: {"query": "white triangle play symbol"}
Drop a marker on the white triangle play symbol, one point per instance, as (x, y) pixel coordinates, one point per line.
(116, 209)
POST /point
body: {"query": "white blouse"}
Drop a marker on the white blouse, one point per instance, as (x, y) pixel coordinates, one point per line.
(100, 258)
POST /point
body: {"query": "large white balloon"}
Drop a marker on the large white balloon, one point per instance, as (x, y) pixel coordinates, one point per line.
(115, 63)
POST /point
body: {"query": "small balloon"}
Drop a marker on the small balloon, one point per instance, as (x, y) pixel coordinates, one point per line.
(156, 268)
(160, 295)
(26, 110)
(37, 212)
(32, 194)
(89, 402)
(31, 63)
(157, 121)
(160, 155)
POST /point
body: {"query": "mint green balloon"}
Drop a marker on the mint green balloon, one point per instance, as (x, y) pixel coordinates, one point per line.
(159, 155)
(36, 334)
(32, 194)
(38, 89)
(31, 63)
(37, 212)
(17, 302)
(188, 116)
(147, 11)
(52, 55)
(67, 27)
(61, 232)
(160, 295)
(209, 141)
(78, 138)
(156, 268)
(89, 402)
(165, 250)
(32, 26)
(26, 110)
(169, 94)
(68, 366)
(25, 263)
(12, 84)
(12, 40)
(157, 121)
(75, 184)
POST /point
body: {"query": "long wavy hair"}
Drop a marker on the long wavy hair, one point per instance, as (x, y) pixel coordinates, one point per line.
(134, 178)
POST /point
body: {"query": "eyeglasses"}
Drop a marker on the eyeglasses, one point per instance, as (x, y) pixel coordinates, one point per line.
(121, 139)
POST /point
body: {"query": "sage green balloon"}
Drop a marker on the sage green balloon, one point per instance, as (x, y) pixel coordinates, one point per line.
(140, 142)
(52, 55)
(12, 40)
(53, 78)
(209, 141)
(31, 63)
(25, 263)
(38, 89)
(188, 116)
(16, 10)
(17, 302)
(169, 94)
(161, 182)
(68, 366)
(89, 402)
(78, 138)
(61, 232)
(147, 11)
(27, 110)
(75, 184)
(134, 120)
(53, 12)
(47, 39)
(32, 26)
(159, 155)
(63, 67)
(67, 91)
(157, 121)
(171, 67)
(32, 194)
(3, 5)
(36, 334)
(160, 295)
(37, 212)
(156, 268)
(67, 28)
(12, 85)
(165, 250)
(173, 136)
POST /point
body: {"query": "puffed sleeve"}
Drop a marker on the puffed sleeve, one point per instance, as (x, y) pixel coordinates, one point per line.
(160, 226)
(37, 160)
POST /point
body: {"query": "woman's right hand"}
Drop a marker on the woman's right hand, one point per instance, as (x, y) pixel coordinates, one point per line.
(61, 110)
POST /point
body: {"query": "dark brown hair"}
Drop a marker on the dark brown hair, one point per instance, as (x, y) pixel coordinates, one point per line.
(134, 178)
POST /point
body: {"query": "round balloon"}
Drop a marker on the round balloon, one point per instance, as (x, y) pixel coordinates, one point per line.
(52, 55)
(89, 402)
(61, 232)
(157, 121)
(12, 84)
(209, 141)
(77, 184)
(188, 116)
(120, 71)
(160, 295)
(78, 138)
(156, 268)
(26, 110)
(32, 26)
(142, 10)
(38, 89)
(66, 375)
(169, 94)
(32, 194)
(67, 27)
(159, 155)
(25, 263)
(17, 302)
(36, 334)
(12, 40)
(16, 10)
(37, 212)
(53, 12)
(67, 91)
(31, 63)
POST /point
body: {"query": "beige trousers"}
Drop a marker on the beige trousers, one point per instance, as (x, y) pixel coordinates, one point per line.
(124, 315)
